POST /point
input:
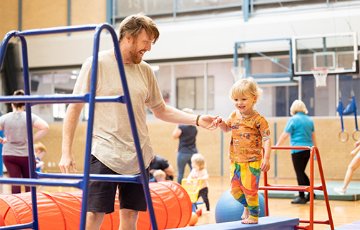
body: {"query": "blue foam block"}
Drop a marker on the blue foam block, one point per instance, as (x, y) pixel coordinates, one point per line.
(265, 223)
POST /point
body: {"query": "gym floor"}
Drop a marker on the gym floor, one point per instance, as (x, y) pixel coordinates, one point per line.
(343, 212)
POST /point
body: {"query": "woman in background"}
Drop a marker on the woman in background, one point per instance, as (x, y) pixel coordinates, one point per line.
(300, 129)
(15, 141)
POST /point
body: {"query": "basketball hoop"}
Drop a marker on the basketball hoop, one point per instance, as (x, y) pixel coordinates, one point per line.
(320, 75)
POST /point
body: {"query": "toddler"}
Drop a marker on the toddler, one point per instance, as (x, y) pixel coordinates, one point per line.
(250, 139)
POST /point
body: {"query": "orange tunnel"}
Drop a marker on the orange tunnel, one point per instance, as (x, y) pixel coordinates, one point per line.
(59, 211)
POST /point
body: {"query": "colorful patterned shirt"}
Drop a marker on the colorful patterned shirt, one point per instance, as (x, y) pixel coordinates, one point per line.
(247, 137)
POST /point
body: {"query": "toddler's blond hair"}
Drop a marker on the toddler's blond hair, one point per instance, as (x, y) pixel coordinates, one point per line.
(245, 86)
(198, 160)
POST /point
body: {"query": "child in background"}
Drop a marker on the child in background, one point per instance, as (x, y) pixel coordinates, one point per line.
(199, 172)
(159, 175)
(40, 151)
(250, 139)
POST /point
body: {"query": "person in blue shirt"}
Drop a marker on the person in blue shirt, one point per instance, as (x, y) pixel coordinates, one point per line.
(300, 129)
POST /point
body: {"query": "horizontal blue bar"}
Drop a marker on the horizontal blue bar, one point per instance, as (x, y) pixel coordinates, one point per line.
(97, 177)
(263, 40)
(69, 179)
(70, 98)
(32, 181)
(271, 75)
(19, 226)
(57, 30)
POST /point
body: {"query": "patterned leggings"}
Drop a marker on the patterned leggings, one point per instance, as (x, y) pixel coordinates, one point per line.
(245, 185)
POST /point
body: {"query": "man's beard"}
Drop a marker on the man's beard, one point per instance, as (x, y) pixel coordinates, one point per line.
(136, 58)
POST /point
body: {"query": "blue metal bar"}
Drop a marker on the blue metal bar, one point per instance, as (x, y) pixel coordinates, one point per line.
(235, 56)
(93, 177)
(109, 11)
(291, 63)
(263, 40)
(34, 181)
(131, 116)
(57, 30)
(90, 127)
(271, 75)
(247, 65)
(4, 44)
(19, 226)
(91, 99)
(61, 98)
(29, 131)
(246, 10)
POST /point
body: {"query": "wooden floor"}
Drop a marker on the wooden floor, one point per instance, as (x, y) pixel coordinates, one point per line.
(343, 212)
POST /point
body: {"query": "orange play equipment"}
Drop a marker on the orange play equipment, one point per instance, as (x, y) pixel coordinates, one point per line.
(59, 211)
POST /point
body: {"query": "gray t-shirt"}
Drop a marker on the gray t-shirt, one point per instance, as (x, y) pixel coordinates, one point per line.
(113, 142)
(15, 131)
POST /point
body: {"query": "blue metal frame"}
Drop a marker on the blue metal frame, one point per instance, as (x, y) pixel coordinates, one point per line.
(247, 59)
(80, 181)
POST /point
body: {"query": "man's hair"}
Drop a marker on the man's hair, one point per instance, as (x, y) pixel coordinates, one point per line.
(19, 92)
(133, 24)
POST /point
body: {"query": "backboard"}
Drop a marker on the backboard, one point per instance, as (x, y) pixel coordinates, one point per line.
(269, 61)
(337, 53)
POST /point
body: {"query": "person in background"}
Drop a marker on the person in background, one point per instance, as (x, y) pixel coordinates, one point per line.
(187, 145)
(161, 163)
(300, 129)
(250, 147)
(113, 150)
(15, 141)
(200, 173)
(352, 167)
(40, 151)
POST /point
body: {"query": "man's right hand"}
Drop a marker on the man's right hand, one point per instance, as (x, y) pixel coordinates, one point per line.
(67, 164)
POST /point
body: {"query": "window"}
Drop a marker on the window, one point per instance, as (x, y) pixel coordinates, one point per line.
(190, 93)
(285, 95)
(59, 110)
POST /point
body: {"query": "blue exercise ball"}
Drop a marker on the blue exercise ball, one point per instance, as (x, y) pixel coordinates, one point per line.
(228, 209)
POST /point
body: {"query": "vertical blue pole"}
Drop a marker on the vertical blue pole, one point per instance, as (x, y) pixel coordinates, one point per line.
(109, 12)
(246, 10)
(247, 65)
(1, 161)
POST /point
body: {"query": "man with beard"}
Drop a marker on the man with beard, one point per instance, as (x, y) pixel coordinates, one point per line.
(113, 150)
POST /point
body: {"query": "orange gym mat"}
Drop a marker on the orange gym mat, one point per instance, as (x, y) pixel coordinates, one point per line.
(59, 211)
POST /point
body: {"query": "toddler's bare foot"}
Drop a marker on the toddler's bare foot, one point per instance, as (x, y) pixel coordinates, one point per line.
(245, 214)
(250, 220)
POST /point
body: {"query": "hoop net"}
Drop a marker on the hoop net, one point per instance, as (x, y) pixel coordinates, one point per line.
(320, 75)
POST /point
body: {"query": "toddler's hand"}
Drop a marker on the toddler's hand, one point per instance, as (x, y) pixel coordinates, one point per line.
(265, 165)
